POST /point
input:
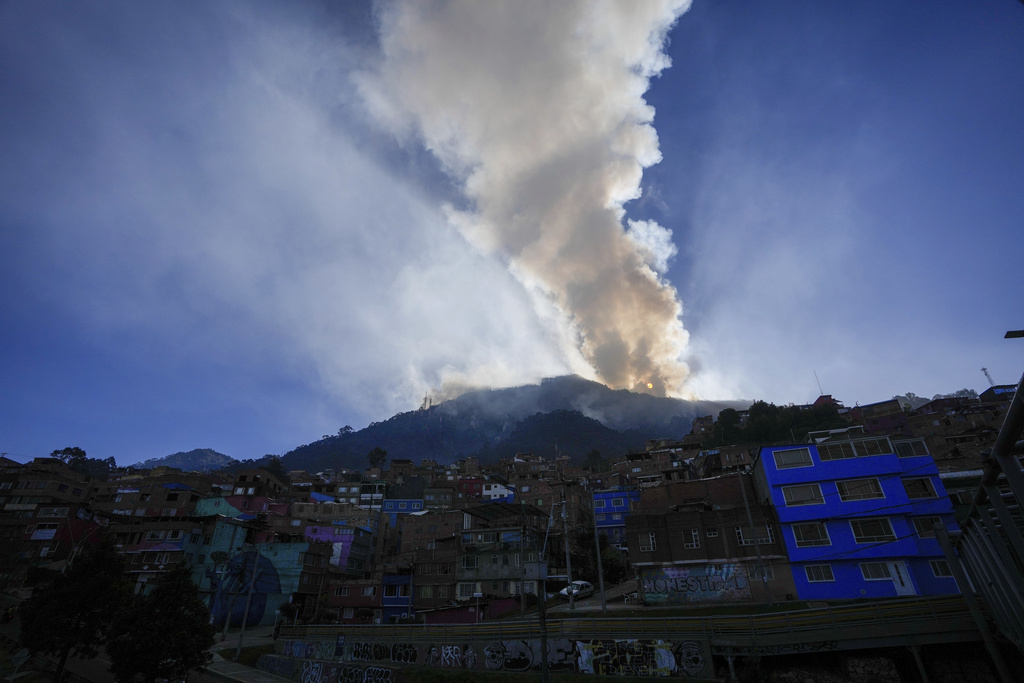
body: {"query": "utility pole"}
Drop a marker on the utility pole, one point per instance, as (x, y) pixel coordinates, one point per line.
(597, 549)
(568, 560)
(248, 599)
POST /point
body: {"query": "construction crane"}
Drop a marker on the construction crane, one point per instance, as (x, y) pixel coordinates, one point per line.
(990, 382)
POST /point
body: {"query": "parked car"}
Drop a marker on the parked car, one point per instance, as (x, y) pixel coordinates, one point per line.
(578, 589)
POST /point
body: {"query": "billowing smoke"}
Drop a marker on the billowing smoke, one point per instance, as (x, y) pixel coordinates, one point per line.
(537, 109)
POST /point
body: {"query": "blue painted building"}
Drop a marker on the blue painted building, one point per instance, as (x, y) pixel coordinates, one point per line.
(858, 516)
(611, 509)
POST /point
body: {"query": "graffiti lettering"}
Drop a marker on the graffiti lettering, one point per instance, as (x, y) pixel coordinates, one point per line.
(362, 652)
(282, 666)
(312, 672)
(451, 655)
(403, 653)
(377, 675)
(626, 658)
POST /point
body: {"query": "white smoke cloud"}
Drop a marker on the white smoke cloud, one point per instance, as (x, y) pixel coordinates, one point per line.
(538, 109)
(654, 243)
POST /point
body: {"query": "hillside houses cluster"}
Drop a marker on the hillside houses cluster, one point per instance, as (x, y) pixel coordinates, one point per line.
(843, 513)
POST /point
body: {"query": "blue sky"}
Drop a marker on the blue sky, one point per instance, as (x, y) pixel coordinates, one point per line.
(241, 226)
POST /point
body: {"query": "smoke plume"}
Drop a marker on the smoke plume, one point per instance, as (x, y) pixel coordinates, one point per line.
(537, 109)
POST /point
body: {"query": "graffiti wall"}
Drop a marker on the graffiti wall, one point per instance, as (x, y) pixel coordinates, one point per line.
(324, 661)
(699, 583)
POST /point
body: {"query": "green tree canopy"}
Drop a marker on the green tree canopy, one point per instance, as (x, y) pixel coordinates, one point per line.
(377, 456)
(163, 634)
(71, 614)
(76, 459)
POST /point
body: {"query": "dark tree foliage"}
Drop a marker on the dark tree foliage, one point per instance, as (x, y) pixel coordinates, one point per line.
(76, 459)
(377, 456)
(70, 615)
(276, 468)
(769, 423)
(163, 634)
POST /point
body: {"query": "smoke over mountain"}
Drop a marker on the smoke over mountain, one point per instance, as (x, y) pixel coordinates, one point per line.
(539, 113)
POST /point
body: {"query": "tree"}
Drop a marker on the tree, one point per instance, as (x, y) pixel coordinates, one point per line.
(276, 468)
(377, 456)
(72, 613)
(76, 459)
(165, 633)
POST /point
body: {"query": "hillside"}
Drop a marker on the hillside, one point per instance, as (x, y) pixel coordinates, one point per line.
(570, 414)
(196, 460)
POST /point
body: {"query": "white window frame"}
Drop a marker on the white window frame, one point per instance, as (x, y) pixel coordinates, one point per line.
(819, 570)
(868, 488)
(913, 448)
(878, 538)
(792, 458)
(652, 543)
(836, 450)
(794, 501)
(875, 571)
(940, 569)
(694, 541)
(801, 541)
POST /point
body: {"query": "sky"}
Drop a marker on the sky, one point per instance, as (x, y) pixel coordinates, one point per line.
(245, 225)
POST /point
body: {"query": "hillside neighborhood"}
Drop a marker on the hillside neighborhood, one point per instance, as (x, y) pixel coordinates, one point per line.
(840, 513)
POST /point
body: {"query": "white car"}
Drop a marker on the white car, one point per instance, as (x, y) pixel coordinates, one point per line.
(578, 589)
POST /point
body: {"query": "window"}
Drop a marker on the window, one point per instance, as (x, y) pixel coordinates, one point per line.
(712, 533)
(694, 539)
(648, 544)
(859, 489)
(803, 494)
(616, 502)
(866, 447)
(426, 591)
(810, 534)
(396, 591)
(402, 506)
(793, 457)
(769, 536)
(466, 590)
(175, 535)
(817, 573)
(919, 487)
(341, 591)
(941, 570)
(599, 518)
(925, 526)
(52, 512)
(599, 503)
(877, 530)
(875, 571)
(443, 591)
(349, 613)
(469, 561)
(153, 536)
(368, 591)
(909, 449)
(616, 516)
(835, 451)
